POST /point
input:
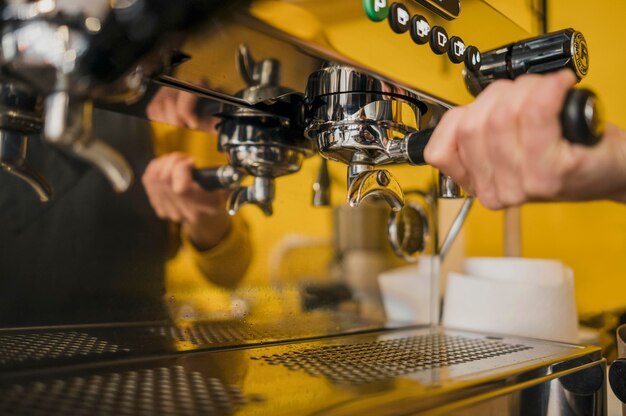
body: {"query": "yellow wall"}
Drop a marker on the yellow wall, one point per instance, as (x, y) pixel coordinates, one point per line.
(589, 237)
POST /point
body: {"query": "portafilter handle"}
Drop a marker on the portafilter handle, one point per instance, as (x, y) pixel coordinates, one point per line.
(221, 177)
(581, 123)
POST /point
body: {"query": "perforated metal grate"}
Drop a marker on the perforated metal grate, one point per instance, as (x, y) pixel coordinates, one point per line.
(15, 349)
(375, 361)
(159, 391)
(210, 333)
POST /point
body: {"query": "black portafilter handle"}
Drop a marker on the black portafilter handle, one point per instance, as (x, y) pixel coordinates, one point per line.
(581, 123)
(565, 49)
(221, 177)
(581, 116)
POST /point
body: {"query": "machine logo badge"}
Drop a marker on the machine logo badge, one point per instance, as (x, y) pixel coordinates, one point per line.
(581, 54)
(403, 17)
(442, 39)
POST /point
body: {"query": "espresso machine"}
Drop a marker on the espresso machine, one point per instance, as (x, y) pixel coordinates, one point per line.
(292, 82)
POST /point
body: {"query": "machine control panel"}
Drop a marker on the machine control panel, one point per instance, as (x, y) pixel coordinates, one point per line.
(421, 31)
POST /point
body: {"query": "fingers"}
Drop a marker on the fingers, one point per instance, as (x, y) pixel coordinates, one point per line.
(506, 147)
(186, 109)
(174, 107)
(503, 142)
(174, 194)
(547, 157)
(157, 180)
(442, 149)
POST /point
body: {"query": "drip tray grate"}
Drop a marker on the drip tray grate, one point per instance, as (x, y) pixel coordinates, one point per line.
(17, 349)
(156, 391)
(212, 333)
(380, 360)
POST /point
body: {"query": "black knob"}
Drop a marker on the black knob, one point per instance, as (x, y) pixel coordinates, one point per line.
(456, 50)
(399, 18)
(581, 123)
(473, 58)
(547, 53)
(439, 40)
(420, 29)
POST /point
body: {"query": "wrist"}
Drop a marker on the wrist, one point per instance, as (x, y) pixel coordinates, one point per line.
(618, 138)
(208, 231)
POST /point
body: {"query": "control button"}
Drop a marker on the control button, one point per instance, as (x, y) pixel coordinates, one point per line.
(377, 10)
(473, 58)
(420, 29)
(439, 40)
(456, 50)
(399, 18)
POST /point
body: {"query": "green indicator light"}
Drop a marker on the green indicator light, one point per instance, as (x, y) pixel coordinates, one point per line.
(376, 10)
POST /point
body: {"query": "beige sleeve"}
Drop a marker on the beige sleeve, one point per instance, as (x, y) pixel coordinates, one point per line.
(225, 264)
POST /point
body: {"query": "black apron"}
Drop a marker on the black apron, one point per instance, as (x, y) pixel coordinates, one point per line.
(88, 255)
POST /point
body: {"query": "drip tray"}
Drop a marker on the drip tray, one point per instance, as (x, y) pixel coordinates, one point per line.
(380, 360)
(424, 369)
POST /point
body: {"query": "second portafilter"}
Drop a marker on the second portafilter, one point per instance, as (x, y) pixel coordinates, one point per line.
(257, 143)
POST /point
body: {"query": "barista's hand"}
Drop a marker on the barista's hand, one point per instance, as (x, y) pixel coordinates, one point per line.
(506, 147)
(176, 197)
(178, 108)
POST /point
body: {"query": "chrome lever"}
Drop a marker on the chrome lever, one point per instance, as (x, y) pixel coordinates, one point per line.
(13, 160)
(68, 125)
(33, 178)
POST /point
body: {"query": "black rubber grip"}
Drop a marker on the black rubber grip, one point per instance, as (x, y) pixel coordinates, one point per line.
(416, 143)
(207, 178)
(581, 119)
(581, 123)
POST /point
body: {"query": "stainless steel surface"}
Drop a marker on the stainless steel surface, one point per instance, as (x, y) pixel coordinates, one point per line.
(409, 230)
(263, 145)
(448, 189)
(20, 116)
(411, 371)
(13, 151)
(337, 361)
(456, 227)
(160, 390)
(47, 55)
(378, 183)
(68, 125)
(321, 186)
(359, 119)
(261, 194)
